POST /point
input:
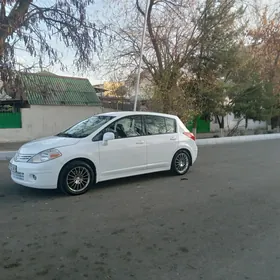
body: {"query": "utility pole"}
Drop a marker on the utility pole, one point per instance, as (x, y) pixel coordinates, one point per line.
(141, 55)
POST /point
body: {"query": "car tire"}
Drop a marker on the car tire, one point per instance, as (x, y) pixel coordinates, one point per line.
(181, 162)
(76, 178)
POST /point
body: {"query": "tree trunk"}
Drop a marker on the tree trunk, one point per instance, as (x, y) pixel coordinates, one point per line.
(9, 24)
(3, 74)
(122, 105)
(246, 123)
(165, 100)
(165, 95)
(165, 106)
(269, 125)
(278, 124)
(194, 129)
(221, 121)
(2, 46)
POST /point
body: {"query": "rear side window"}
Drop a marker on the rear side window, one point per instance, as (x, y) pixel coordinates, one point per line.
(159, 125)
(170, 125)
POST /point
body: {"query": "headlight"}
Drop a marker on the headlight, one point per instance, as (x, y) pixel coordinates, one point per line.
(46, 156)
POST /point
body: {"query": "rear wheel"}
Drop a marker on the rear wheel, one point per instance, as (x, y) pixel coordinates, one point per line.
(181, 162)
(76, 178)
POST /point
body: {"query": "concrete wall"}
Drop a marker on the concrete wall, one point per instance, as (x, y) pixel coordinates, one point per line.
(231, 121)
(40, 121)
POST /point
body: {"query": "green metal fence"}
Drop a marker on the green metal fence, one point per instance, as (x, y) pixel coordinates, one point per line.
(10, 120)
(202, 126)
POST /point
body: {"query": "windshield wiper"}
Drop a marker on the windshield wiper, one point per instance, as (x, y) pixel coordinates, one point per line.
(65, 135)
(71, 135)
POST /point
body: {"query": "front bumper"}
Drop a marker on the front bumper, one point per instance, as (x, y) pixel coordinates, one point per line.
(38, 176)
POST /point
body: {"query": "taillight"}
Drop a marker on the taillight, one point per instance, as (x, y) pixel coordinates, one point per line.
(190, 135)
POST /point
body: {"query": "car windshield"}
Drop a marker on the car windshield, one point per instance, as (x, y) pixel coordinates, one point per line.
(86, 127)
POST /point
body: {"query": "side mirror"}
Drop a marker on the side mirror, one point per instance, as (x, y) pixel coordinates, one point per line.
(107, 137)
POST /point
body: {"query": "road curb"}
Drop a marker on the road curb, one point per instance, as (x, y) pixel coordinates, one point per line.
(7, 155)
(236, 139)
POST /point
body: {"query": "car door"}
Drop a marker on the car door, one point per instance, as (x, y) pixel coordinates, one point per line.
(162, 141)
(126, 155)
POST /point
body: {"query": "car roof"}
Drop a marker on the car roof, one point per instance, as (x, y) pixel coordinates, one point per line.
(130, 113)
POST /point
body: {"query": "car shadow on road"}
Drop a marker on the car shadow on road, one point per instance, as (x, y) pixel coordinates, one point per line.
(133, 180)
(13, 192)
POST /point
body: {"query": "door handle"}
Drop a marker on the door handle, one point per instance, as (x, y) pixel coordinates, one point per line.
(173, 138)
(140, 142)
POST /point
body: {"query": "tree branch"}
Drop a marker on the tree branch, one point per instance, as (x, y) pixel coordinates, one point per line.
(17, 15)
(151, 32)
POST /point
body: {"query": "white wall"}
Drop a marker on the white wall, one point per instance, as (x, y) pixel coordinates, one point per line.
(40, 121)
(230, 123)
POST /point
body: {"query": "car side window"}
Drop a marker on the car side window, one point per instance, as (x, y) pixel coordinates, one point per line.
(170, 125)
(155, 125)
(159, 125)
(124, 128)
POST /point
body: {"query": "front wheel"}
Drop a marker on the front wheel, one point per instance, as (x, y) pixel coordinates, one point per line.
(76, 178)
(181, 162)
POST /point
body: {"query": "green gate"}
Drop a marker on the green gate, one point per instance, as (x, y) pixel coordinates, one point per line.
(10, 119)
(202, 126)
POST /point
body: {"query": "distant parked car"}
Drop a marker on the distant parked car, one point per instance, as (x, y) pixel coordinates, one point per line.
(104, 147)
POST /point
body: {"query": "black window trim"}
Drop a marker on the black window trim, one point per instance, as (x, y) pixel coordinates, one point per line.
(128, 116)
(143, 123)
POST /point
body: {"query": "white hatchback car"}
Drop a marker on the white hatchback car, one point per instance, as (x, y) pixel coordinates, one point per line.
(104, 147)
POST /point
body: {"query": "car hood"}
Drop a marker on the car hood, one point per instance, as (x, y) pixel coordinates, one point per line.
(42, 144)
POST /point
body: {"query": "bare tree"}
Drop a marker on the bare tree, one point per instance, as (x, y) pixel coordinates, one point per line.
(169, 43)
(33, 26)
(174, 36)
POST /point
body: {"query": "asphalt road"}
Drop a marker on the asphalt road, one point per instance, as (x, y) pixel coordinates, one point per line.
(220, 222)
